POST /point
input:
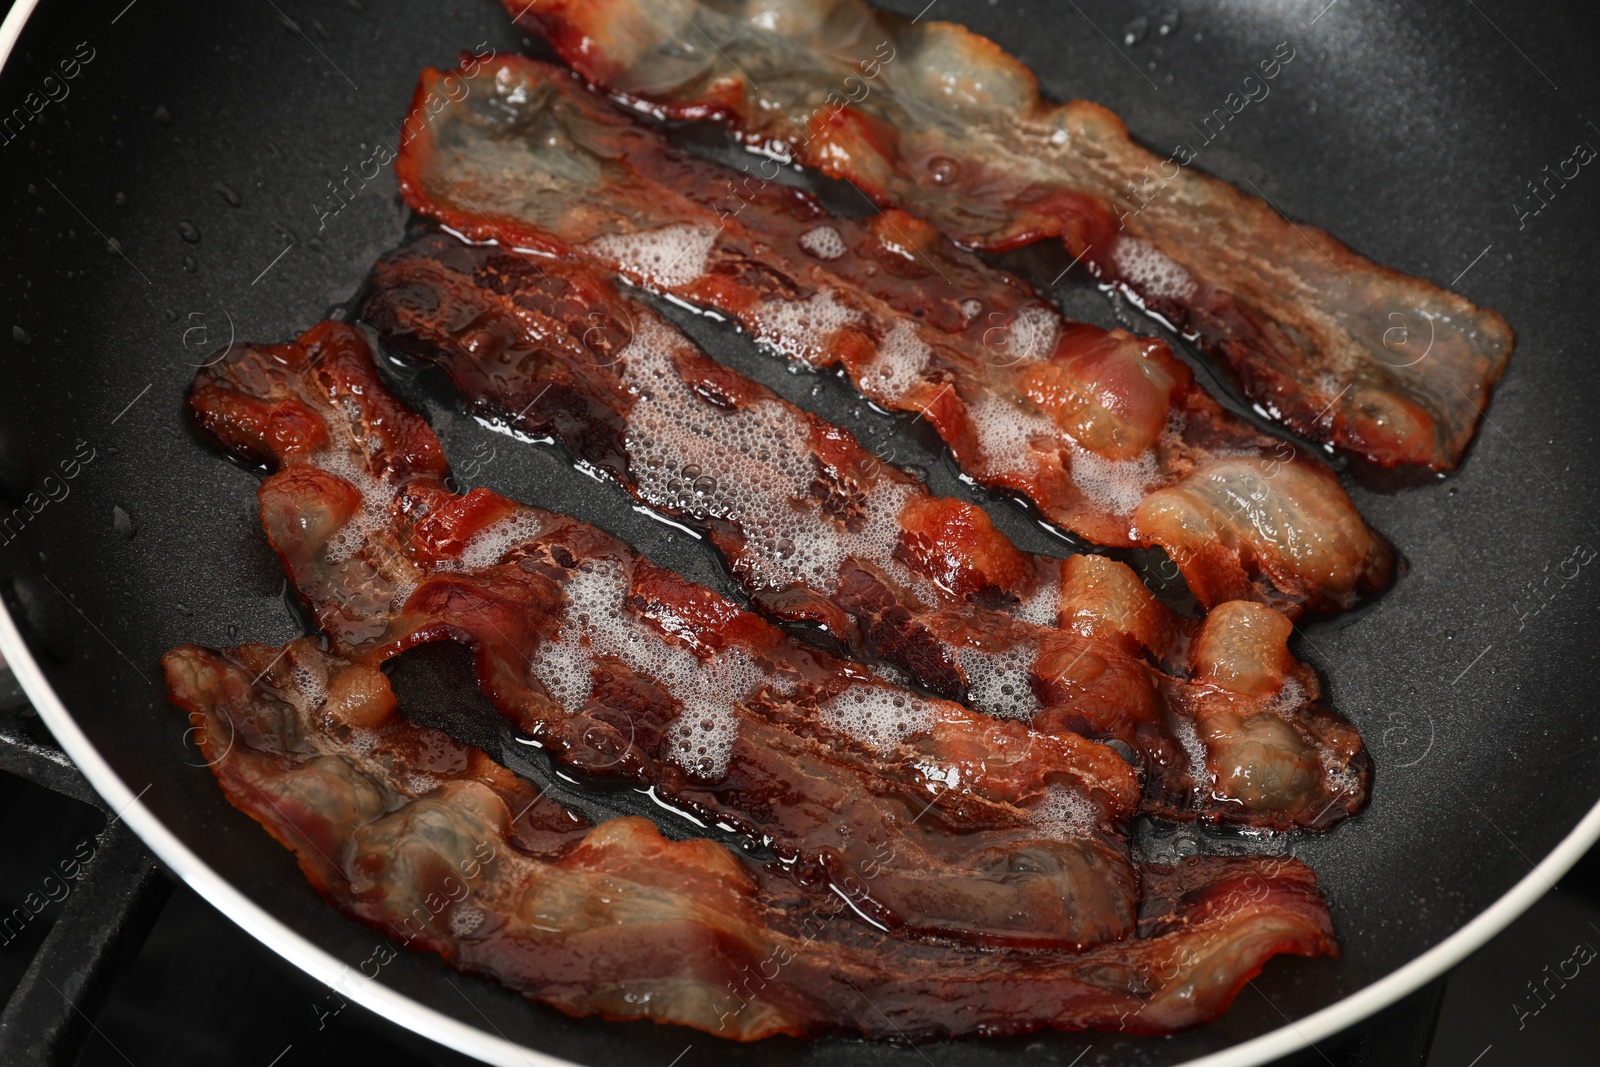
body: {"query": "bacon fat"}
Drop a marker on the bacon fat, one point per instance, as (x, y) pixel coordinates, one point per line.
(814, 527)
(1108, 434)
(933, 118)
(443, 850)
(1003, 833)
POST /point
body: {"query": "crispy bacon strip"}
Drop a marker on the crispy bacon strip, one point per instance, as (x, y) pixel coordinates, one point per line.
(443, 850)
(935, 119)
(1107, 433)
(1003, 833)
(816, 528)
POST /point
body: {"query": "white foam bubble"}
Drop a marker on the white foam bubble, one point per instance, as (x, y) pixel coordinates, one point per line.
(490, 544)
(877, 716)
(417, 783)
(371, 520)
(1195, 749)
(754, 466)
(1291, 695)
(901, 359)
(310, 686)
(366, 533)
(970, 309)
(465, 918)
(800, 328)
(1342, 781)
(890, 673)
(665, 258)
(564, 667)
(1005, 433)
(1063, 813)
(362, 741)
(823, 242)
(1116, 485)
(1032, 333)
(998, 682)
(1341, 777)
(597, 623)
(1149, 272)
(1042, 607)
(402, 593)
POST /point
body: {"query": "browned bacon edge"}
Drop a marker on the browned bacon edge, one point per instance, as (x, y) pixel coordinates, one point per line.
(815, 527)
(1106, 433)
(1002, 834)
(443, 850)
(935, 119)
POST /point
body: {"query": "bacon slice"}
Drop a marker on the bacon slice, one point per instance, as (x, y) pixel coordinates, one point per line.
(1003, 833)
(443, 850)
(817, 528)
(937, 120)
(1106, 433)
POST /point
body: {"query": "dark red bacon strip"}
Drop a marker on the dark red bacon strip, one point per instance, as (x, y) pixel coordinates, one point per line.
(816, 528)
(1107, 433)
(442, 850)
(1003, 833)
(937, 120)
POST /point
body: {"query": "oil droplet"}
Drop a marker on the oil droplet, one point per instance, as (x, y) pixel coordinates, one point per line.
(163, 116)
(121, 199)
(227, 193)
(190, 265)
(1135, 31)
(1168, 24)
(21, 336)
(113, 246)
(188, 231)
(121, 523)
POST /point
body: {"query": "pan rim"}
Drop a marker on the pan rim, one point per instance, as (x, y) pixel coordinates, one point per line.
(404, 1011)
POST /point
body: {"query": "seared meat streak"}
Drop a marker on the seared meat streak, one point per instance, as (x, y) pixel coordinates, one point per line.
(1002, 833)
(443, 850)
(995, 840)
(815, 527)
(937, 120)
(1106, 433)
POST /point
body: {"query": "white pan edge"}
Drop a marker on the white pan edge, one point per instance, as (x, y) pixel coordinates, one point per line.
(469, 1040)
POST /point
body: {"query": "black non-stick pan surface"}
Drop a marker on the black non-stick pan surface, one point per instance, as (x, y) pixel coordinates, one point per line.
(174, 193)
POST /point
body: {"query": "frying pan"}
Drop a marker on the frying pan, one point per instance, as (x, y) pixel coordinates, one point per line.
(173, 194)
